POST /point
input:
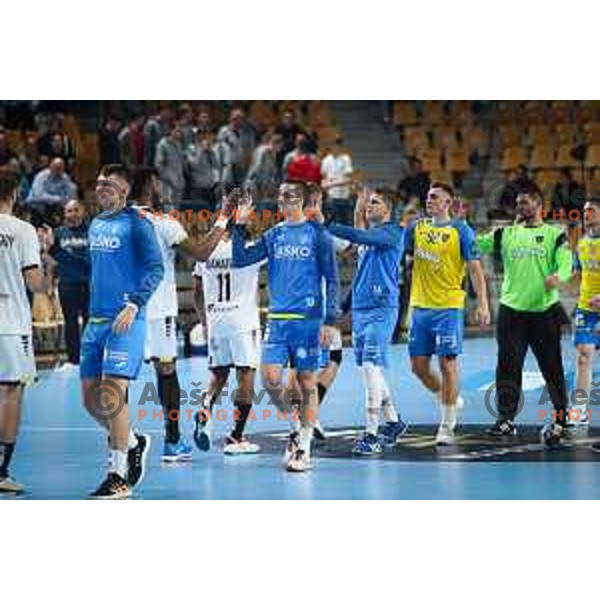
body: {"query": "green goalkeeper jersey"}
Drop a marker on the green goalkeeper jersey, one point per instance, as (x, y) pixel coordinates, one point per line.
(529, 255)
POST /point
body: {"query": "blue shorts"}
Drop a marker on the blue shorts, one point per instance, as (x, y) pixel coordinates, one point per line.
(104, 352)
(587, 327)
(294, 342)
(372, 332)
(436, 331)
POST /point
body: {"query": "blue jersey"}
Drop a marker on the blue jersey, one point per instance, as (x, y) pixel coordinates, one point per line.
(377, 280)
(300, 256)
(126, 262)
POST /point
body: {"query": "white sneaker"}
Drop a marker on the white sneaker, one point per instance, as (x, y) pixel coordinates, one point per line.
(243, 446)
(66, 367)
(9, 486)
(299, 462)
(445, 435)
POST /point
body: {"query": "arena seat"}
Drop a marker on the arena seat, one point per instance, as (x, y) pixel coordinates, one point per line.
(512, 157)
(404, 113)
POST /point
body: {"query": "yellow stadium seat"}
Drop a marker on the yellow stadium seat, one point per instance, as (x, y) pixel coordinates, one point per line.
(539, 135)
(441, 177)
(431, 160)
(444, 137)
(511, 135)
(566, 133)
(416, 139)
(433, 112)
(542, 157)
(475, 138)
(592, 132)
(457, 161)
(564, 158)
(592, 159)
(512, 157)
(404, 113)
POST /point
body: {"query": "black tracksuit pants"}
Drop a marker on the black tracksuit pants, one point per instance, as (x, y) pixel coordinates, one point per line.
(516, 332)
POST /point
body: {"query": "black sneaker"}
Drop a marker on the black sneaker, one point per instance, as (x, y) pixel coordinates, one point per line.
(136, 459)
(502, 429)
(319, 433)
(114, 487)
(551, 435)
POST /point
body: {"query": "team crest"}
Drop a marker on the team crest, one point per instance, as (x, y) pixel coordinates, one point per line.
(539, 239)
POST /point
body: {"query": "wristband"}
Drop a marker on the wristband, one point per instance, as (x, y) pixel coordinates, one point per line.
(222, 222)
(134, 306)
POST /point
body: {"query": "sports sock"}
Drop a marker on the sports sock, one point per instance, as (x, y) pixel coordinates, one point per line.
(321, 391)
(306, 433)
(449, 415)
(131, 440)
(6, 452)
(374, 382)
(119, 463)
(387, 403)
(170, 398)
(238, 429)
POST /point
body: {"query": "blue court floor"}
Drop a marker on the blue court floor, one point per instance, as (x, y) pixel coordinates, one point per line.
(61, 453)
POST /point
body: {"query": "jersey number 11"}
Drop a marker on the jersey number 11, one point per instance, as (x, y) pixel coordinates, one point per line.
(224, 287)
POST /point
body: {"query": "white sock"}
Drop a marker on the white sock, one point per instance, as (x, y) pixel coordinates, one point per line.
(131, 440)
(294, 418)
(374, 385)
(448, 415)
(306, 433)
(119, 463)
(387, 404)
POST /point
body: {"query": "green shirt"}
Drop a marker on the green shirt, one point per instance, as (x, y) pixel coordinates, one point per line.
(529, 254)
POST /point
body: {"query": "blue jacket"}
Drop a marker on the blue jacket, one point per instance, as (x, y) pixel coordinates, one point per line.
(300, 258)
(126, 262)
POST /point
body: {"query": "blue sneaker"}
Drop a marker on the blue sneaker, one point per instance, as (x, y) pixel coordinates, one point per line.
(391, 432)
(201, 434)
(179, 452)
(367, 444)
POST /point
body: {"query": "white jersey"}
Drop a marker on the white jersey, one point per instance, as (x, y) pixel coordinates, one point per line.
(19, 250)
(170, 233)
(230, 295)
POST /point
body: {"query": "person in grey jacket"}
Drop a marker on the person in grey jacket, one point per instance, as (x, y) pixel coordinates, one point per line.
(169, 163)
(156, 129)
(203, 169)
(264, 175)
(238, 140)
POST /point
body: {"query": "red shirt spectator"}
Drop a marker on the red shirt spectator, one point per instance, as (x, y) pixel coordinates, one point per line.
(304, 167)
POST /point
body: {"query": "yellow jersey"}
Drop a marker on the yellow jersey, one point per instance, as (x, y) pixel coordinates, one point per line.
(440, 254)
(587, 262)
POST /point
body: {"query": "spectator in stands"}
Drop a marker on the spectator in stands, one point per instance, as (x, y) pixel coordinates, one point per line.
(132, 142)
(264, 175)
(204, 122)
(414, 184)
(568, 194)
(203, 169)
(50, 190)
(507, 202)
(336, 170)
(157, 128)
(170, 166)
(52, 185)
(186, 121)
(71, 253)
(289, 130)
(108, 142)
(48, 145)
(8, 157)
(305, 166)
(237, 140)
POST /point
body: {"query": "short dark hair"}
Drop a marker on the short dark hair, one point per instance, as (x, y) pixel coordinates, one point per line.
(529, 188)
(443, 186)
(386, 196)
(302, 186)
(116, 169)
(8, 184)
(141, 177)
